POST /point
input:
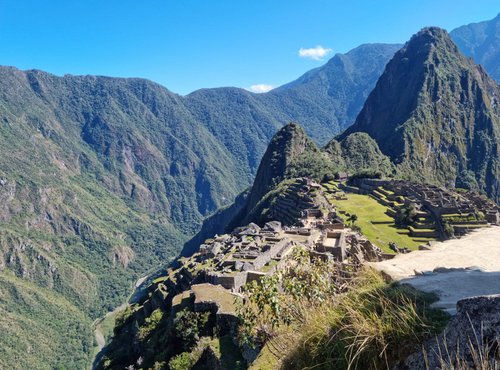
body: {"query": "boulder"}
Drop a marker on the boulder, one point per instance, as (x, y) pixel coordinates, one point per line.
(273, 226)
(475, 329)
(250, 229)
(247, 266)
(238, 265)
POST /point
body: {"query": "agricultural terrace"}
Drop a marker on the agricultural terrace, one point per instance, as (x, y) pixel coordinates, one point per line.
(374, 223)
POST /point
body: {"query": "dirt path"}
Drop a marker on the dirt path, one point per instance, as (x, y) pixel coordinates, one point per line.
(99, 338)
(454, 269)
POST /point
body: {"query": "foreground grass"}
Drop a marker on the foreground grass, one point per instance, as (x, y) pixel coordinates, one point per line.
(378, 227)
(374, 326)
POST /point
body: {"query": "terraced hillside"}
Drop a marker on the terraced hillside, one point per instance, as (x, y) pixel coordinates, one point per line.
(374, 219)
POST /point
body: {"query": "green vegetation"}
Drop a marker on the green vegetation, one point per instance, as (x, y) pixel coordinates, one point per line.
(378, 227)
(406, 216)
(260, 213)
(478, 41)
(228, 353)
(222, 348)
(182, 361)
(102, 180)
(373, 326)
(26, 308)
(280, 299)
(307, 323)
(187, 327)
(359, 155)
(290, 154)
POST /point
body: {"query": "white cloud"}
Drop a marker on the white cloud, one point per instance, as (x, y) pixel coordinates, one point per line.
(260, 88)
(316, 53)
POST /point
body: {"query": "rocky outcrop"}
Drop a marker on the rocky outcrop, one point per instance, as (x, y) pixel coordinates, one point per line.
(290, 151)
(472, 337)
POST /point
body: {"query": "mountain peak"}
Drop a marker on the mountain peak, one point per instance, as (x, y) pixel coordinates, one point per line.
(433, 111)
(436, 33)
(427, 42)
(291, 153)
(292, 129)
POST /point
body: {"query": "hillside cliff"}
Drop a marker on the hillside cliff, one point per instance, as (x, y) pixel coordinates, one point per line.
(290, 154)
(356, 153)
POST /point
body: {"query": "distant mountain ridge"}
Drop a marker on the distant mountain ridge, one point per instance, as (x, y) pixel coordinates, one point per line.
(103, 179)
(481, 41)
(389, 136)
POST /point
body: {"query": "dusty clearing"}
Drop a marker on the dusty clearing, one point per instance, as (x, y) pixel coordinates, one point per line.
(454, 269)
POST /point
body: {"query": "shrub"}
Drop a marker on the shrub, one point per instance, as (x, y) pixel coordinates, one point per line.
(366, 174)
(180, 362)
(406, 216)
(467, 180)
(448, 229)
(280, 299)
(150, 324)
(188, 325)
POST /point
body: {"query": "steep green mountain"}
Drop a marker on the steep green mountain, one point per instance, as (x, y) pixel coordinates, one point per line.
(96, 189)
(325, 101)
(332, 95)
(481, 41)
(217, 309)
(356, 153)
(436, 115)
(290, 154)
(103, 179)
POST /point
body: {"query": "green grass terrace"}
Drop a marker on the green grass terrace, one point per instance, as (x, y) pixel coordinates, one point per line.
(375, 224)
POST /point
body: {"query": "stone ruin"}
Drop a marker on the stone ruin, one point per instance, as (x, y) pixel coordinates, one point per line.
(250, 252)
(436, 205)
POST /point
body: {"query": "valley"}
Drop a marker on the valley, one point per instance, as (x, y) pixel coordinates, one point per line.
(144, 229)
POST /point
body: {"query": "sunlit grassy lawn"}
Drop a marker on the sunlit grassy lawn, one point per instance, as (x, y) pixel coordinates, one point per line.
(369, 210)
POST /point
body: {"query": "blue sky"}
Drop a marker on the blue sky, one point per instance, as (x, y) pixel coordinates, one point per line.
(189, 44)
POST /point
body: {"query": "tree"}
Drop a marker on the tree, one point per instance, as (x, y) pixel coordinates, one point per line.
(352, 219)
(406, 215)
(188, 325)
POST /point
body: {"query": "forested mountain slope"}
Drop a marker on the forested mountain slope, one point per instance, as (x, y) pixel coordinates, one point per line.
(436, 115)
(103, 179)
